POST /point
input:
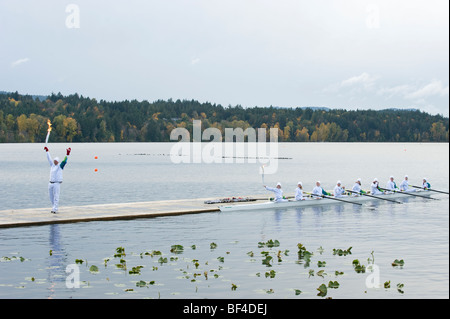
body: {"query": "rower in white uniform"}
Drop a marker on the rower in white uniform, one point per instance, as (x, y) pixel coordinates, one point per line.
(357, 187)
(425, 184)
(319, 191)
(404, 186)
(374, 188)
(299, 191)
(278, 192)
(339, 190)
(391, 185)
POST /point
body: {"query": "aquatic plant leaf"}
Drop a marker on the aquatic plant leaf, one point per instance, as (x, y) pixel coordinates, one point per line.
(400, 288)
(141, 283)
(320, 273)
(333, 284)
(270, 243)
(342, 252)
(93, 269)
(322, 290)
(120, 252)
(358, 267)
(266, 261)
(135, 270)
(177, 249)
(398, 263)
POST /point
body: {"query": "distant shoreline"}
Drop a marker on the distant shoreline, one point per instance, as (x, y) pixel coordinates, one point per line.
(74, 118)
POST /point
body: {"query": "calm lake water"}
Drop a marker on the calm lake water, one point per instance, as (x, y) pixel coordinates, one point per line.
(34, 259)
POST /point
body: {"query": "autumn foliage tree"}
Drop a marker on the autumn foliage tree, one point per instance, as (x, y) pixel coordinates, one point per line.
(79, 119)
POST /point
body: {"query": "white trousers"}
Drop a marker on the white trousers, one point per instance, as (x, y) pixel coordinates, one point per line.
(53, 191)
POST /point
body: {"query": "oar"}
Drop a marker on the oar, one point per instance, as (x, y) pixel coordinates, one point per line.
(389, 200)
(429, 189)
(406, 193)
(334, 198)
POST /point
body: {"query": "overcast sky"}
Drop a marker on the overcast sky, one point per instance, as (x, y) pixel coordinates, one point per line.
(336, 53)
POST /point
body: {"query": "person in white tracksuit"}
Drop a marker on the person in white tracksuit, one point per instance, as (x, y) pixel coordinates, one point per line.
(56, 178)
(278, 192)
(299, 191)
(339, 191)
(374, 189)
(357, 187)
(404, 186)
(425, 184)
(319, 191)
(391, 185)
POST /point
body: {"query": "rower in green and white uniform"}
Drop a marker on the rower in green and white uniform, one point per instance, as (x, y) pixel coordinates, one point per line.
(318, 190)
(404, 186)
(374, 188)
(425, 184)
(391, 185)
(357, 187)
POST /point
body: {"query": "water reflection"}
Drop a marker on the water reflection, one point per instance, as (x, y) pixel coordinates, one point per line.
(56, 261)
(299, 214)
(340, 208)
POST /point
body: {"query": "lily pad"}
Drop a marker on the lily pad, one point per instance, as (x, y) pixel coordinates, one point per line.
(177, 249)
(398, 263)
(93, 269)
(333, 284)
(322, 290)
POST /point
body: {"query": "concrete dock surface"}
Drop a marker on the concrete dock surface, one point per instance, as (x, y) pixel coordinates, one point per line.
(42, 216)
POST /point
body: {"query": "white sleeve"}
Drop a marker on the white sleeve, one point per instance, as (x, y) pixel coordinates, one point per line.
(49, 158)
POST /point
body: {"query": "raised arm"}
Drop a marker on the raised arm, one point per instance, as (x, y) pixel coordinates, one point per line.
(49, 158)
(64, 162)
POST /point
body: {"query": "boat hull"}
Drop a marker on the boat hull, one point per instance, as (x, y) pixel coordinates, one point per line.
(320, 201)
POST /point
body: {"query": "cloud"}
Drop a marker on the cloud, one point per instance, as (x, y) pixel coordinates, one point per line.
(365, 79)
(19, 62)
(195, 61)
(435, 88)
(369, 90)
(414, 92)
(354, 84)
(427, 96)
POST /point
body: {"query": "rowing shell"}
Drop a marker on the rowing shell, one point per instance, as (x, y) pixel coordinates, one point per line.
(315, 202)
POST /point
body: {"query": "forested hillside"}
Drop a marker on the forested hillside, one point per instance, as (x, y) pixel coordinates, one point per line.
(79, 119)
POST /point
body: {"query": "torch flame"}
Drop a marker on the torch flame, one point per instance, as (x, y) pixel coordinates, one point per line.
(49, 126)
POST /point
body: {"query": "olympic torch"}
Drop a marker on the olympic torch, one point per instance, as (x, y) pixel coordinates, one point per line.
(48, 131)
(262, 173)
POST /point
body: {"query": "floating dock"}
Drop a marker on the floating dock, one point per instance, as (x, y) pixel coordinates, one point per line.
(42, 216)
